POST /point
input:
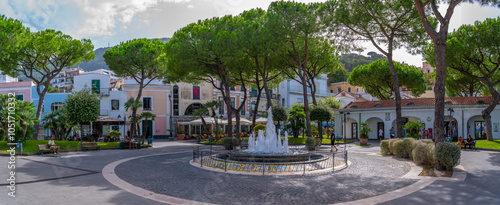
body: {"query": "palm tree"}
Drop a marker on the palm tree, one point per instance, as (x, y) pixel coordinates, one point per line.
(3, 115)
(146, 116)
(133, 104)
(27, 118)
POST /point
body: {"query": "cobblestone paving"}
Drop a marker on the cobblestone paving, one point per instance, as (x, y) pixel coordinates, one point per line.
(172, 175)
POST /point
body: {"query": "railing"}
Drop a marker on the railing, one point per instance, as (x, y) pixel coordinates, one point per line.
(101, 91)
(221, 159)
(299, 89)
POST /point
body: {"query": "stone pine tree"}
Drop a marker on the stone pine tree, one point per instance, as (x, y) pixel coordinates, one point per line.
(207, 51)
(138, 59)
(320, 114)
(439, 37)
(376, 79)
(474, 51)
(296, 26)
(388, 25)
(83, 106)
(40, 56)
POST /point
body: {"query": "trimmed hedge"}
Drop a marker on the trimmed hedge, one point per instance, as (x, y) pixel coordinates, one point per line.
(310, 143)
(391, 144)
(384, 147)
(446, 155)
(423, 154)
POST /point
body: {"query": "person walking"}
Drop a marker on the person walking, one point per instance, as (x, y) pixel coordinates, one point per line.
(380, 134)
(391, 132)
(332, 138)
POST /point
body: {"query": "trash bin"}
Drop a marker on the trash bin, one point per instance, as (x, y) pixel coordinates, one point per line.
(122, 145)
(20, 148)
(138, 145)
(150, 141)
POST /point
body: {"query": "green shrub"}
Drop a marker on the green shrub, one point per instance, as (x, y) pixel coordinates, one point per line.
(227, 142)
(446, 155)
(318, 141)
(403, 148)
(391, 144)
(236, 142)
(384, 147)
(310, 143)
(423, 154)
(259, 127)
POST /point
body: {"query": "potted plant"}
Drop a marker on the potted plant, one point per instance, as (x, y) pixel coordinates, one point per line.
(363, 133)
(180, 135)
(114, 133)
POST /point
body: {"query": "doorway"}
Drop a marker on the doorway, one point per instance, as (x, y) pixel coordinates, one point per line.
(479, 130)
(354, 126)
(149, 132)
(380, 125)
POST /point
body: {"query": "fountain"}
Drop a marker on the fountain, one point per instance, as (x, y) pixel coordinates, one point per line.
(269, 148)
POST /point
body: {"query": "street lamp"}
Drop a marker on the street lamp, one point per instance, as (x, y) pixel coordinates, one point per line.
(450, 124)
(344, 116)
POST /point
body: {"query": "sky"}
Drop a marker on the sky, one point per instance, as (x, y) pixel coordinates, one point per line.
(109, 22)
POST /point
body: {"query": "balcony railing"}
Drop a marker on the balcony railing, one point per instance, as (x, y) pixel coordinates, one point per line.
(299, 89)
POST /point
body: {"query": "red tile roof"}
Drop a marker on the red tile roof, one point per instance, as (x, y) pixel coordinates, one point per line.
(418, 102)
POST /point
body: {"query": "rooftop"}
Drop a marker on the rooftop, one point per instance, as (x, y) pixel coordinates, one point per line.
(419, 102)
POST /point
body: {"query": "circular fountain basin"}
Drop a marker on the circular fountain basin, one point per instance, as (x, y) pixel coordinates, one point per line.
(289, 157)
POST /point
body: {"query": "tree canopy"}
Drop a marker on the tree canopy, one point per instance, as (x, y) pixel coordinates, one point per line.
(83, 106)
(474, 51)
(377, 81)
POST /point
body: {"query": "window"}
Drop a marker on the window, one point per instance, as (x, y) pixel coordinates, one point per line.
(96, 86)
(20, 97)
(339, 89)
(410, 103)
(242, 109)
(114, 127)
(115, 104)
(232, 88)
(331, 91)
(233, 103)
(196, 92)
(56, 105)
(221, 107)
(283, 102)
(146, 103)
(357, 89)
(299, 100)
(175, 99)
(349, 89)
(193, 108)
(378, 105)
(242, 88)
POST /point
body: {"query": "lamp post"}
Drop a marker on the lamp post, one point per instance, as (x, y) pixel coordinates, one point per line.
(450, 124)
(119, 121)
(344, 116)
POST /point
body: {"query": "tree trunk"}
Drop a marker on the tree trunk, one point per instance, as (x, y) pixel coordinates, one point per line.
(146, 127)
(256, 110)
(238, 126)
(227, 98)
(397, 96)
(216, 123)
(486, 113)
(134, 112)
(439, 89)
(39, 109)
(306, 105)
(320, 130)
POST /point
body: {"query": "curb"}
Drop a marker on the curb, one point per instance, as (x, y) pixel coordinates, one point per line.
(67, 151)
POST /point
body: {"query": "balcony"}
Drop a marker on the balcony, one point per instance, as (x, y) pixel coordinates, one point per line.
(298, 89)
(101, 91)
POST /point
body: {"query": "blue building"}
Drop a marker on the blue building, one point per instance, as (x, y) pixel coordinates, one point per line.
(52, 102)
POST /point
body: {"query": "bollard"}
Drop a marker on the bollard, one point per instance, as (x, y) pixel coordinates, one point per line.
(346, 158)
(333, 162)
(201, 159)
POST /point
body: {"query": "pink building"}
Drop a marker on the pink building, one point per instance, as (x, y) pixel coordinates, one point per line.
(22, 90)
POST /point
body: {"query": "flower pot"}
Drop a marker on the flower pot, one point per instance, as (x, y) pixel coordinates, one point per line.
(363, 141)
(180, 136)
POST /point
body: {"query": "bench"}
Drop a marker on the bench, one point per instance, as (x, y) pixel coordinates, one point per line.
(87, 145)
(472, 147)
(43, 147)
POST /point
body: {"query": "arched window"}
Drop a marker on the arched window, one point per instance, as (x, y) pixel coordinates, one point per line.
(349, 89)
(175, 99)
(410, 103)
(193, 108)
(338, 90)
(55, 105)
(448, 102)
(378, 105)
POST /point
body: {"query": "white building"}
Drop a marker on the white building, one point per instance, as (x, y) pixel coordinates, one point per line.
(7, 79)
(465, 118)
(290, 91)
(112, 101)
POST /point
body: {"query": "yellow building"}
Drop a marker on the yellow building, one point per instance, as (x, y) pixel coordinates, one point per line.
(344, 86)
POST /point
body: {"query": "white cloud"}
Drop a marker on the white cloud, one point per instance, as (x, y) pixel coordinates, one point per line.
(190, 6)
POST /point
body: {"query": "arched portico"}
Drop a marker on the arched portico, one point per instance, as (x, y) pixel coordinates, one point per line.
(476, 127)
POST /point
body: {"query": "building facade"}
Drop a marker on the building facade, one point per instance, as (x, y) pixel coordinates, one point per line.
(290, 91)
(462, 117)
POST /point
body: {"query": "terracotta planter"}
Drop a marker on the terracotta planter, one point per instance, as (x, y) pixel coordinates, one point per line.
(363, 141)
(180, 136)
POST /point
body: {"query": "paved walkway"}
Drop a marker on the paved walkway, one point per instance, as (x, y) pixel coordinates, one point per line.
(76, 178)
